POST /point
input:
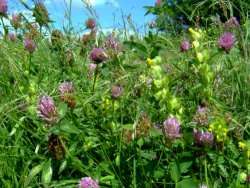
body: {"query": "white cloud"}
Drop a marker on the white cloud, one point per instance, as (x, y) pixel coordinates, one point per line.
(90, 2)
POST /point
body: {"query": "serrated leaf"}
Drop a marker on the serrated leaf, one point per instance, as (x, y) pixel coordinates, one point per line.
(47, 173)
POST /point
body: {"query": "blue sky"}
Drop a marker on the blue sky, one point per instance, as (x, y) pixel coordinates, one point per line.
(109, 11)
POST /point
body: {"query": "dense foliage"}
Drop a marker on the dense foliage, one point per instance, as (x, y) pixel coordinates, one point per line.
(151, 111)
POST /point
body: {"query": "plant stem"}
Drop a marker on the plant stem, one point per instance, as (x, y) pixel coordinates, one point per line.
(206, 177)
(95, 78)
(30, 57)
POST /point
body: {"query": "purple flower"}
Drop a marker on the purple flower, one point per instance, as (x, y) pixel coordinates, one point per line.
(66, 88)
(112, 43)
(3, 7)
(88, 182)
(15, 21)
(203, 138)
(12, 37)
(91, 69)
(232, 23)
(98, 55)
(116, 91)
(172, 128)
(90, 23)
(158, 2)
(201, 116)
(185, 46)
(29, 45)
(47, 109)
(226, 41)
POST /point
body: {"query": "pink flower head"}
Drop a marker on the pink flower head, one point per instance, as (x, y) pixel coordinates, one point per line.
(226, 41)
(15, 21)
(158, 2)
(90, 23)
(66, 88)
(88, 182)
(12, 37)
(116, 91)
(29, 45)
(3, 7)
(112, 43)
(172, 128)
(203, 138)
(47, 109)
(185, 46)
(98, 55)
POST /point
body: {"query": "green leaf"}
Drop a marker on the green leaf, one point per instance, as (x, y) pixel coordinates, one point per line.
(34, 171)
(187, 183)
(69, 128)
(174, 172)
(62, 166)
(185, 166)
(47, 173)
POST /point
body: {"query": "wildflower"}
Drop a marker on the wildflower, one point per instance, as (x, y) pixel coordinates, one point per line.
(243, 177)
(91, 69)
(185, 45)
(98, 55)
(56, 147)
(195, 34)
(12, 37)
(172, 128)
(232, 23)
(47, 109)
(201, 116)
(85, 39)
(150, 61)
(226, 41)
(56, 39)
(16, 20)
(29, 45)
(66, 90)
(41, 14)
(200, 57)
(195, 44)
(90, 23)
(112, 43)
(242, 145)
(116, 91)
(203, 138)
(88, 182)
(3, 7)
(69, 57)
(143, 126)
(158, 2)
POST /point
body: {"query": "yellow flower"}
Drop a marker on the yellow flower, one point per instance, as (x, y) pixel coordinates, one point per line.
(150, 61)
(242, 145)
(195, 44)
(195, 34)
(200, 57)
